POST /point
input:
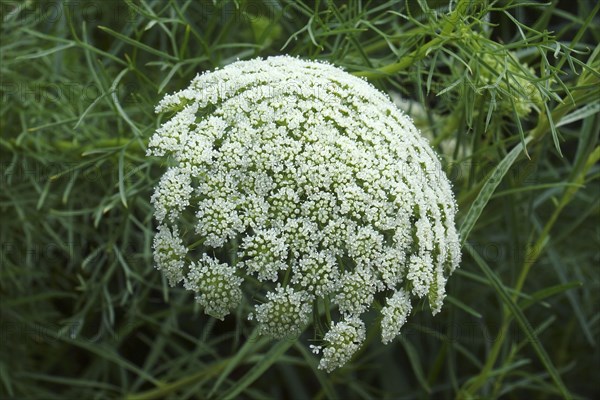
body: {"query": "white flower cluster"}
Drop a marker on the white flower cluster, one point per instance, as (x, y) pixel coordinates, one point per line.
(298, 173)
(217, 286)
(284, 314)
(342, 341)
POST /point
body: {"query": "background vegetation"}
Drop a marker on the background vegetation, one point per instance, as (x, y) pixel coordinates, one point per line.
(508, 91)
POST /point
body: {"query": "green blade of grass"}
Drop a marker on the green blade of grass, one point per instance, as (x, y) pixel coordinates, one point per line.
(521, 320)
(547, 292)
(463, 306)
(122, 194)
(257, 370)
(580, 113)
(488, 189)
(138, 44)
(252, 344)
(45, 53)
(415, 362)
(325, 383)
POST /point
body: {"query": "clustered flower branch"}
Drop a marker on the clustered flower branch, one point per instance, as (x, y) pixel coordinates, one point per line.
(298, 173)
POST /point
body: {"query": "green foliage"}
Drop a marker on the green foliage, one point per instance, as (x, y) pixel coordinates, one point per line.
(508, 92)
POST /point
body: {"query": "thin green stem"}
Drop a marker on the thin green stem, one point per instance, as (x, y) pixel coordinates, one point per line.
(170, 388)
(251, 347)
(422, 51)
(532, 255)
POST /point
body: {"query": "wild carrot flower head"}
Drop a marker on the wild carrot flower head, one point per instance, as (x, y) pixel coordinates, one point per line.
(310, 182)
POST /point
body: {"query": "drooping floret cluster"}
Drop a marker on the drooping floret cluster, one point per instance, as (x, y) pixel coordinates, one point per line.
(297, 175)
